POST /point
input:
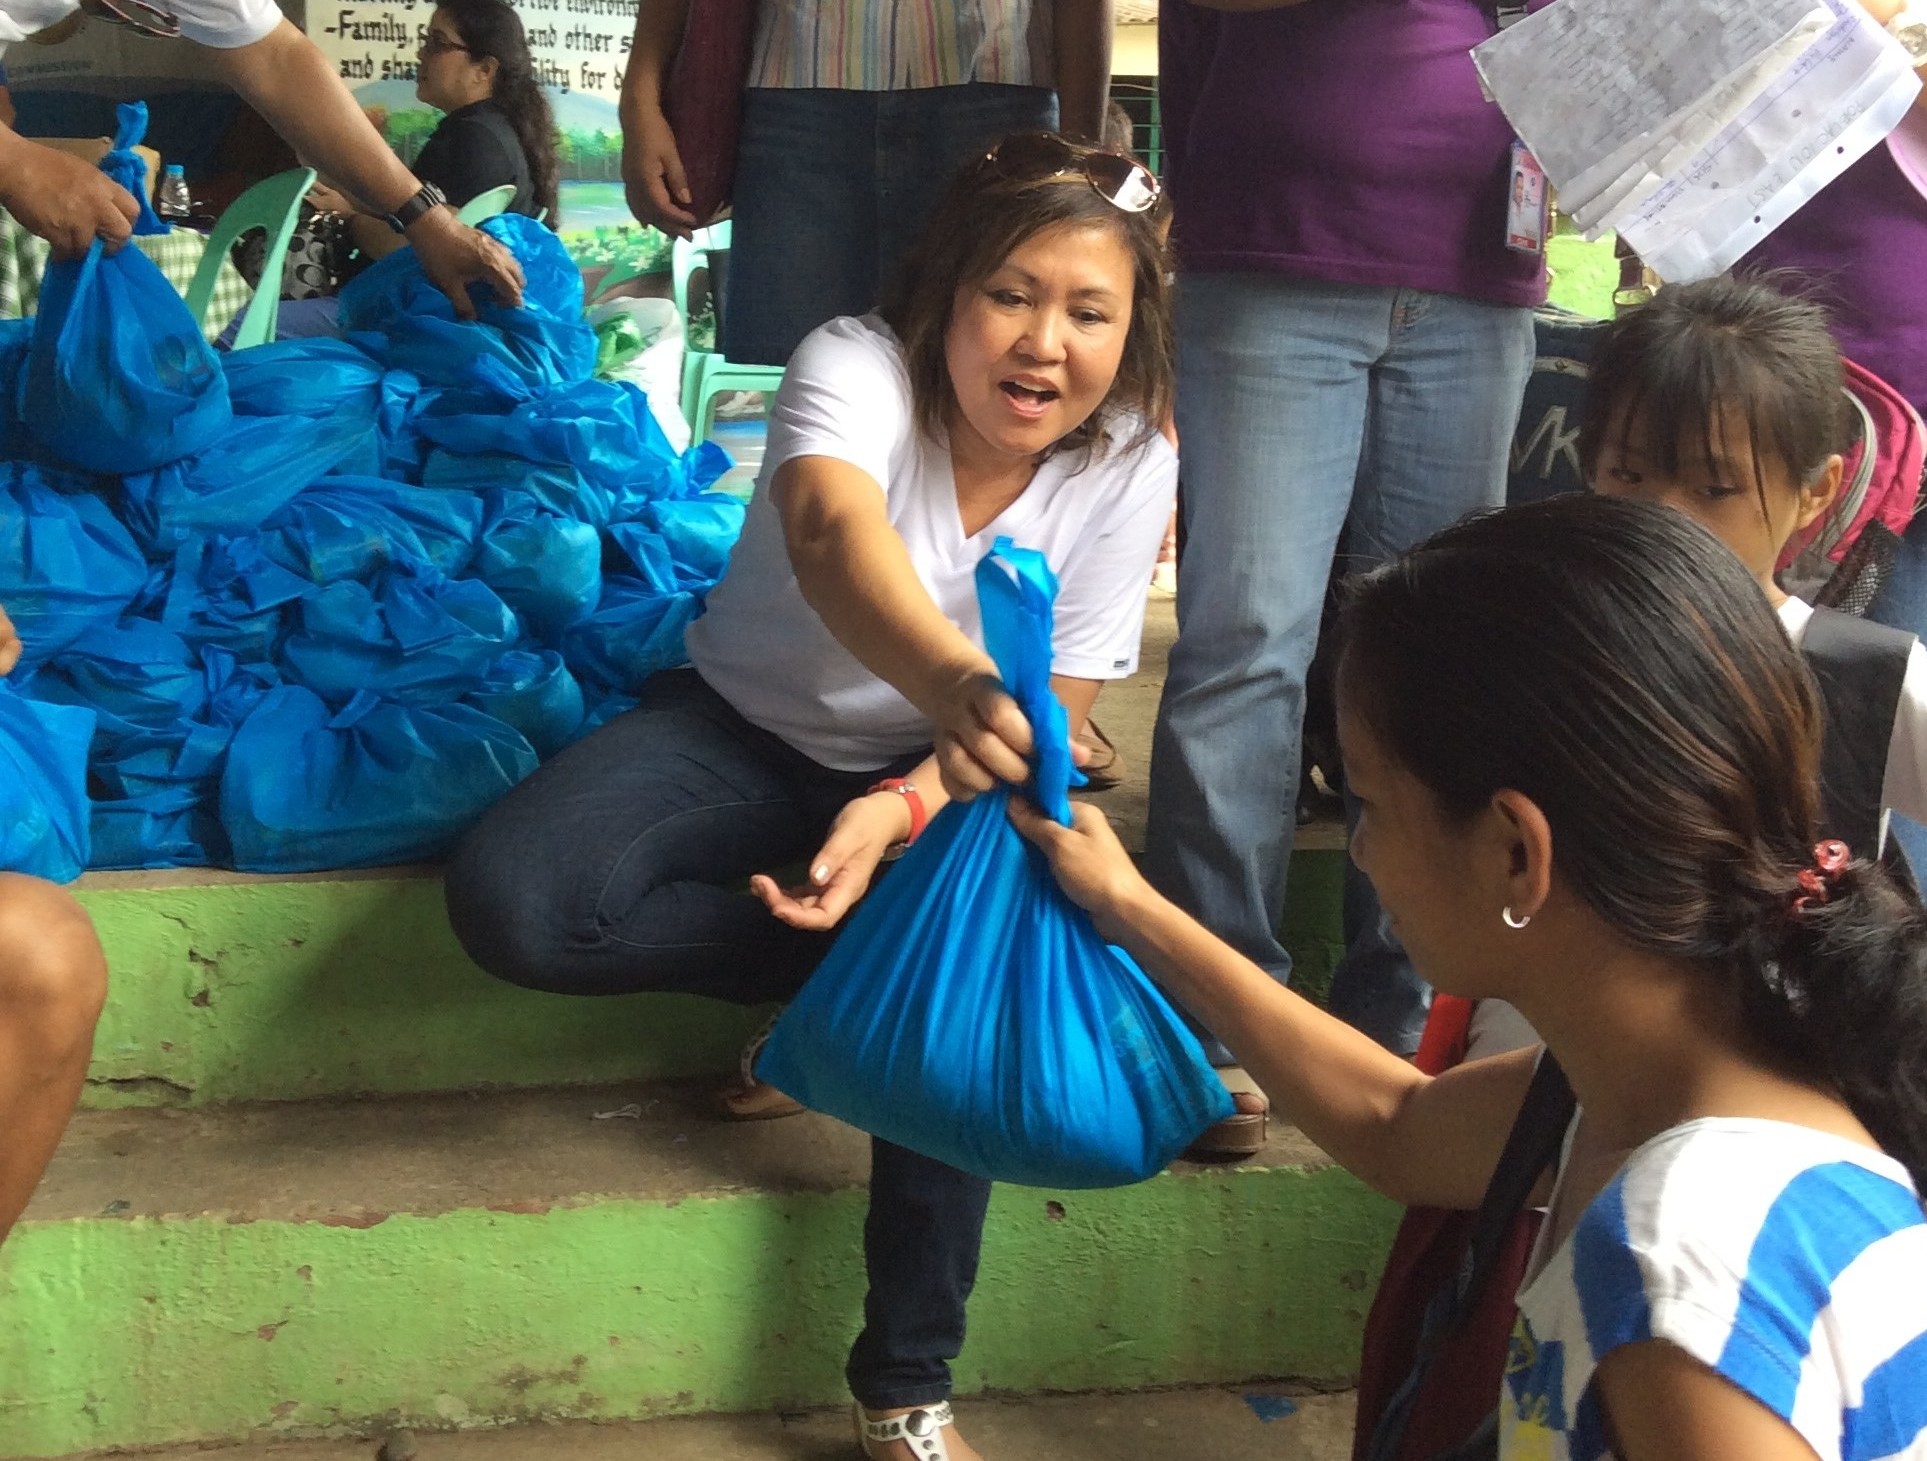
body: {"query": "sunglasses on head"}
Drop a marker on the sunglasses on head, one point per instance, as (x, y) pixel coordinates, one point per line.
(1123, 182)
(135, 15)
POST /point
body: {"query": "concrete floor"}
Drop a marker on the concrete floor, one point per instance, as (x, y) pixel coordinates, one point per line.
(1172, 1425)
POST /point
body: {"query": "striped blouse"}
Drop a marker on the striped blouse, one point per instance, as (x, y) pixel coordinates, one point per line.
(901, 45)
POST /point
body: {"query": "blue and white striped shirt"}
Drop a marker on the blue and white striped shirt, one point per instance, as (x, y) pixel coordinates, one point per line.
(1792, 1262)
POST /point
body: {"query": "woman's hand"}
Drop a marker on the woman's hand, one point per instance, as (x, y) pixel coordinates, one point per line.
(840, 873)
(980, 735)
(1090, 864)
(326, 199)
(454, 256)
(652, 175)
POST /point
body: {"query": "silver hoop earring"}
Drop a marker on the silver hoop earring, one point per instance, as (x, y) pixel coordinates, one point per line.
(1514, 923)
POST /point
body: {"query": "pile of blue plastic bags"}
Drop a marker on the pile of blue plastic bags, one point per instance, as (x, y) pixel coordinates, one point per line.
(317, 603)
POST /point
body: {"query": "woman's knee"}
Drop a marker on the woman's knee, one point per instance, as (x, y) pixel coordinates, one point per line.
(497, 904)
(52, 969)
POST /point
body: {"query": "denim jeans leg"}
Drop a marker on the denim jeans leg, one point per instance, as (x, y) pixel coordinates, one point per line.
(803, 248)
(1445, 400)
(1902, 603)
(619, 865)
(920, 1246)
(924, 136)
(1272, 382)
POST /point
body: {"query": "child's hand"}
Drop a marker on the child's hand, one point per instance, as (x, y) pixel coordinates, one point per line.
(1090, 864)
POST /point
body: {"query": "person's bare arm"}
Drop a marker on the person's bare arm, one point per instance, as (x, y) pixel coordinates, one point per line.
(652, 175)
(1661, 1404)
(285, 77)
(58, 197)
(855, 572)
(1416, 1138)
(1081, 35)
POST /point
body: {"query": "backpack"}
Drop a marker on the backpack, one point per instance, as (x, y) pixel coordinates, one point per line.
(1544, 459)
(1841, 561)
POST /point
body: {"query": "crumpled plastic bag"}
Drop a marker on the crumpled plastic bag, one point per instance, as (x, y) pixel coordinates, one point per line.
(351, 526)
(228, 594)
(411, 634)
(240, 480)
(533, 691)
(379, 783)
(546, 568)
(66, 563)
(970, 1011)
(118, 378)
(43, 786)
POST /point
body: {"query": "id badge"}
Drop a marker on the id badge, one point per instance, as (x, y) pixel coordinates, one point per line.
(1525, 212)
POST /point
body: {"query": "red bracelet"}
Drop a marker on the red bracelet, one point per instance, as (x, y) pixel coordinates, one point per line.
(912, 797)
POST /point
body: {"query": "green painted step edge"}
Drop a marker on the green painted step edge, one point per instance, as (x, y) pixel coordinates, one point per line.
(287, 990)
(128, 1333)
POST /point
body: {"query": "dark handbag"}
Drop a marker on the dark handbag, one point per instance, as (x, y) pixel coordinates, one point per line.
(703, 100)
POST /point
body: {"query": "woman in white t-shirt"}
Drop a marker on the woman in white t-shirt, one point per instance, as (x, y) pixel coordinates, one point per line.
(840, 693)
(1588, 762)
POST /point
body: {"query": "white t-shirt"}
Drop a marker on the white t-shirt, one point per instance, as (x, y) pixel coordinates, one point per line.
(222, 24)
(1790, 1261)
(1904, 788)
(1097, 517)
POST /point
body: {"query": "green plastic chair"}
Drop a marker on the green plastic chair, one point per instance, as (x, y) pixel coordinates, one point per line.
(487, 205)
(272, 205)
(706, 374)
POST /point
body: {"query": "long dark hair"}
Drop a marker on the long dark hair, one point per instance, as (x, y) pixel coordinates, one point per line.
(980, 219)
(491, 28)
(1669, 374)
(1613, 661)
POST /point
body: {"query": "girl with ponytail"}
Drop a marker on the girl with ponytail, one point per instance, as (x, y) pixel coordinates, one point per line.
(1588, 760)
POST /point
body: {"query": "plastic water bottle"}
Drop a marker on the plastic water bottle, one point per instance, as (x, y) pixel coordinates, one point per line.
(171, 199)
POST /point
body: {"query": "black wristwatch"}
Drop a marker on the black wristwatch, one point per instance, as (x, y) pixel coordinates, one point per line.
(429, 197)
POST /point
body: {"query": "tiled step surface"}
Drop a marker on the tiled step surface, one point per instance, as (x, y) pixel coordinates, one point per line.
(602, 1253)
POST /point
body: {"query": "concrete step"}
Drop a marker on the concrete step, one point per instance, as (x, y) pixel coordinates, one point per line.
(604, 1253)
(227, 987)
(1258, 1423)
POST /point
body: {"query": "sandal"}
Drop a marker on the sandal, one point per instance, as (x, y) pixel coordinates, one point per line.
(920, 1429)
(1105, 769)
(1240, 1135)
(748, 1099)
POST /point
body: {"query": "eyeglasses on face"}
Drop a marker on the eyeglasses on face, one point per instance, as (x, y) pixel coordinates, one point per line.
(436, 45)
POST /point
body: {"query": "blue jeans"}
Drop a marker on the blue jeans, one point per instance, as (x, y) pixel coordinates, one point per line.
(831, 188)
(619, 867)
(1304, 408)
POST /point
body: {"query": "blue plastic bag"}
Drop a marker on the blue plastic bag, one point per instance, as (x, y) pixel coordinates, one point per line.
(138, 676)
(635, 630)
(970, 1011)
(43, 786)
(118, 378)
(532, 690)
(410, 635)
(603, 430)
(126, 167)
(546, 568)
(506, 355)
(227, 593)
(66, 563)
(241, 480)
(556, 488)
(157, 792)
(349, 527)
(312, 377)
(372, 784)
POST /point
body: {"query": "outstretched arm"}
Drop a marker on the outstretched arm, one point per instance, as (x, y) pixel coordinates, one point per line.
(1418, 1139)
(285, 77)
